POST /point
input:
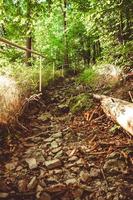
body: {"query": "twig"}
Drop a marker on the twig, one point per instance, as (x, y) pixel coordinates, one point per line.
(130, 96)
(92, 115)
(102, 171)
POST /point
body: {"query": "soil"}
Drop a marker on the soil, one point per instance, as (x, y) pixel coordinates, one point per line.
(63, 156)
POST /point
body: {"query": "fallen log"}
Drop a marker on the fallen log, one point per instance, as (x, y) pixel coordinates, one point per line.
(118, 110)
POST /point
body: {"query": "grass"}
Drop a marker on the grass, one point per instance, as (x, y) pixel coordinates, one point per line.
(89, 76)
(27, 78)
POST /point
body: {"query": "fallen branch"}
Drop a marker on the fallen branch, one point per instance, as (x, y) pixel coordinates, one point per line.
(118, 110)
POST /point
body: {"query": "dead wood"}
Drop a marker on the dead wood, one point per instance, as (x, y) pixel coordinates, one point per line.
(118, 110)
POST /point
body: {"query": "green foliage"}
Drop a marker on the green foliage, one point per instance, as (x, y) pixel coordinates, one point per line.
(89, 76)
(114, 128)
(95, 31)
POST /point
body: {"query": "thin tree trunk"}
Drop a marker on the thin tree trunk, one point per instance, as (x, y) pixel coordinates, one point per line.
(28, 53)
(29, 38)
(94, 54)
(66, 62)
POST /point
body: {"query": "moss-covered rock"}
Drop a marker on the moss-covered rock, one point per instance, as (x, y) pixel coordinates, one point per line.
(79, 103)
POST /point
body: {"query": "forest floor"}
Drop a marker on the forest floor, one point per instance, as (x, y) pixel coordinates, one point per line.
(63, 156)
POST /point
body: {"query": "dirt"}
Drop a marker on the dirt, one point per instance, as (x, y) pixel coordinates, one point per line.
(61, 156)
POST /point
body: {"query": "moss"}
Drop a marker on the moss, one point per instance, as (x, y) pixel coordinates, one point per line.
(79, 103)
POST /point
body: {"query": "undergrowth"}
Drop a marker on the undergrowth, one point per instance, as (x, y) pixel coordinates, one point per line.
(89, 76)
(27, 78)
(102, 74)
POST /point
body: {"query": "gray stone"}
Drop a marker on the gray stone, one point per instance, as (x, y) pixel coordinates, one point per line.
(94, 172)
(39, 188)
(80, 162)
(50, 139)
(54, 144)
(59, 154)
(56, 150)
(84, 176)
(22, 185)
(71, 181)
(57, 171)
(19, 168)
(3, 195)
(57, 135)
(109, 196)
(11, 166)
(73, 158)
(32, 184)
(114, 166)
(32, 163)
(51, 164)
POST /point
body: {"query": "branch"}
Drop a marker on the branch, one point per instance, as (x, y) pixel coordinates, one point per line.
(19, 47)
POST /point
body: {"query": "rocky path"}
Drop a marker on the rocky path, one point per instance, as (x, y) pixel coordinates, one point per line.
(64, 156)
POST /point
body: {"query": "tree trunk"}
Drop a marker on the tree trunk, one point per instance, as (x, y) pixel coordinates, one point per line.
(66, 60)
(29, 38)
(94, 54)
(28, 53)
(118, 110)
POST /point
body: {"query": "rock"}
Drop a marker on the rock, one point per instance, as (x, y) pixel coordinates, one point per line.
(71, 181)
(19, 168)
(22, 185)
(84, 176)
(80, 162)
(39, 188)
(109, 196)
(114, 166)
(52, 179)
(57, 171)
(4, 195)
(75, 169)
(50, 139)
(73, 158)
(57, 135)
(32, 163)
(44, 196)
(54, 144)
(56, 150)
(59, 187)
(59, 141)
(59, 154)
(32, 184)
(51, 164)
(86, 188)
(79, 102)
(11, 166)
(94, 172)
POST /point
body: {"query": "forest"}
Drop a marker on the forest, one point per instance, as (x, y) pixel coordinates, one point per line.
(66, 99)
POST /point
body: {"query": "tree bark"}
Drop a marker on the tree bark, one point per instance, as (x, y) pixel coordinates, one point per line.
(28, 53)
(29, 38)
(3, 40)
(118, 110)
(66, 60)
